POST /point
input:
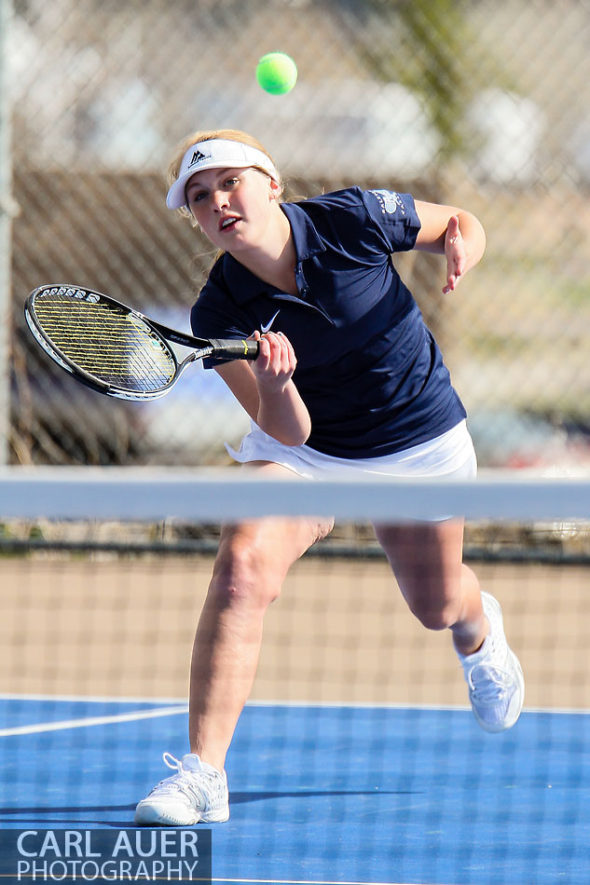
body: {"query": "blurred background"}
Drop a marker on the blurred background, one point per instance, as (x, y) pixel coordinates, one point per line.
(475, 103)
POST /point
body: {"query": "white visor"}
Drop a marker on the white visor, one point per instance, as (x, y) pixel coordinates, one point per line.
(217, 153)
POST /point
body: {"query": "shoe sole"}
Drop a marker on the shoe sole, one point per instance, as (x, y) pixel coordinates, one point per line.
(151, 816)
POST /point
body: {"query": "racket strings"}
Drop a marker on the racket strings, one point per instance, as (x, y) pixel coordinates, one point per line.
(108, 342)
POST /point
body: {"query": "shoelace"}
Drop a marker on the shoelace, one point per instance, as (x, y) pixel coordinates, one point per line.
(493, 685)
(185, 782)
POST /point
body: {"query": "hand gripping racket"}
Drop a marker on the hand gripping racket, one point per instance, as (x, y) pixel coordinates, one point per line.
(114, 349)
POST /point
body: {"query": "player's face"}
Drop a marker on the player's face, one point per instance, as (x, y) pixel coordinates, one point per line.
(233, 207)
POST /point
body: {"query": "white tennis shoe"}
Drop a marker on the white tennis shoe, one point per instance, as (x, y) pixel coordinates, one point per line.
(494, 675)
(197, 792)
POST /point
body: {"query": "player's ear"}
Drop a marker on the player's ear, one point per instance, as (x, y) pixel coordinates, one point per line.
(276, 189)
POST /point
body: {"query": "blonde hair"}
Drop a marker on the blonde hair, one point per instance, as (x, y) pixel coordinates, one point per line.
(209, 135)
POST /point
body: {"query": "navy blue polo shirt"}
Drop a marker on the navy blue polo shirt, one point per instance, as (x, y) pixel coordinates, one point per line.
(368, 369)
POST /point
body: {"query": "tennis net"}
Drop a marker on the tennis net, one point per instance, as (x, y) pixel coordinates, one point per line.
(357, 758)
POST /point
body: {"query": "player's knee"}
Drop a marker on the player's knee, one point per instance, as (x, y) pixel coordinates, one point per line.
(244, 573)
(436, 615)
(323, 529)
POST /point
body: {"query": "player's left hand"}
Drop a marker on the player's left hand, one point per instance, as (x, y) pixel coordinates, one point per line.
(455, 253)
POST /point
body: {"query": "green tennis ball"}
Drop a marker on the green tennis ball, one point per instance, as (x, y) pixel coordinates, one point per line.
(276, 73)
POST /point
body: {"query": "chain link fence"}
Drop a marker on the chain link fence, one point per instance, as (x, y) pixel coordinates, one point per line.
(478, 104)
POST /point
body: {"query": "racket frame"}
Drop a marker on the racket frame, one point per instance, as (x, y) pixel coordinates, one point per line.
(201, 347)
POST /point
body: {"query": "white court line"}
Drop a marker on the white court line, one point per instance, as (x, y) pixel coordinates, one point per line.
(297, 882)
(266, 881)
(90, 698)
(348, 705)
(41, 727)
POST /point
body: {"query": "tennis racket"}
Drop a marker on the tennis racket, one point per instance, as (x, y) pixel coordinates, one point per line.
(114, 349)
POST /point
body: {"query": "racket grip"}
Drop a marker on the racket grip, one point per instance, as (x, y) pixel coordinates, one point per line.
(234, 349)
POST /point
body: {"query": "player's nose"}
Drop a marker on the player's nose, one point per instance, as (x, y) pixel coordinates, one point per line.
(220, 200)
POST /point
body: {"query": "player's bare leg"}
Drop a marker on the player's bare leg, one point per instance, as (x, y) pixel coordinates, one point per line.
(444, 593)
(253, 560)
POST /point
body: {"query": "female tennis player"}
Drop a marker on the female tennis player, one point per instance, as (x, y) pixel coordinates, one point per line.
(348, 379)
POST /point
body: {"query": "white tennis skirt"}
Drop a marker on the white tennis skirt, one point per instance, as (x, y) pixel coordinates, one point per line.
(451, 454)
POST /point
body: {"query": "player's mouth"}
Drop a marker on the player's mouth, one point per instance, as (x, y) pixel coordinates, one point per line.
(228, 223)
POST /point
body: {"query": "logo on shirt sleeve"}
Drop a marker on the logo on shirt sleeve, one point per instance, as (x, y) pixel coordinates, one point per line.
(390, 202)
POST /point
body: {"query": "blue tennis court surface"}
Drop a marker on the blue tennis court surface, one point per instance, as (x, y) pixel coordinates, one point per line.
(325, 794)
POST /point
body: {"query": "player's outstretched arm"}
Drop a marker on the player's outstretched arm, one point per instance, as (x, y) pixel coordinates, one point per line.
(453, 232)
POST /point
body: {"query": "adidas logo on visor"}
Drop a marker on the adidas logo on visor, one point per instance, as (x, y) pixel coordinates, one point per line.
(196, 158)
